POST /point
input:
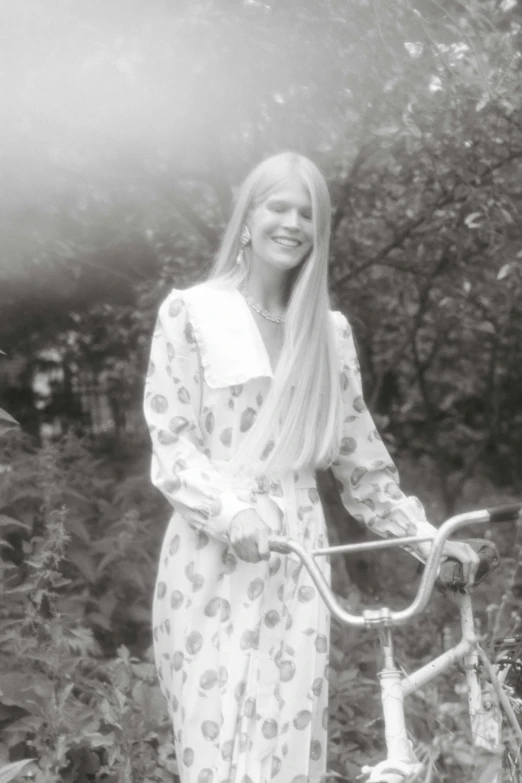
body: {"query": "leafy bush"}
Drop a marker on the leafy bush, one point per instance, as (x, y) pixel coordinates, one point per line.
(78, 566)
(80, 537)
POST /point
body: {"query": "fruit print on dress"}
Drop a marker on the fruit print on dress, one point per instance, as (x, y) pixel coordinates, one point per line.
(241, 649)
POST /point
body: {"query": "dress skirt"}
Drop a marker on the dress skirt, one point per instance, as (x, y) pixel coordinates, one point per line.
(242, 649)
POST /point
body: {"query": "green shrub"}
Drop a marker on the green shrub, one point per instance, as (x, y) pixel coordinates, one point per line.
(78, 565)
(80, 536)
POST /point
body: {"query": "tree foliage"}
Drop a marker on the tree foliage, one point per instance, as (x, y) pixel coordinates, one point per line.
(130, 130)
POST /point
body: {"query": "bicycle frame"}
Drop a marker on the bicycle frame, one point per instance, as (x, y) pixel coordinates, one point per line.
(484, 708)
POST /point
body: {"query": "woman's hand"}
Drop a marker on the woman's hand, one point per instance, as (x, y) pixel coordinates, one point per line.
(249, 536)
(466, 556)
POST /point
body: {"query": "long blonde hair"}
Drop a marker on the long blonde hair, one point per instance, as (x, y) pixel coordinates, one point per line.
(305, 394)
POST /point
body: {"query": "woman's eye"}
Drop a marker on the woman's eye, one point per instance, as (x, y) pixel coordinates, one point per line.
(277, 206)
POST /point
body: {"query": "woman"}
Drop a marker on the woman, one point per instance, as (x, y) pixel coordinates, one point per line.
(253, 384)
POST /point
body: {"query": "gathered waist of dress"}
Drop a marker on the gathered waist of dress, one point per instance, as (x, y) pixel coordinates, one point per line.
(274, 496)
(301, 479)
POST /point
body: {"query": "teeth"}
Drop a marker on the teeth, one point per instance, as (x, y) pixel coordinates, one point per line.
(287, 242)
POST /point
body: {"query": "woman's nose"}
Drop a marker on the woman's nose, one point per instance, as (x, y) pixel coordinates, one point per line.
(291, 219)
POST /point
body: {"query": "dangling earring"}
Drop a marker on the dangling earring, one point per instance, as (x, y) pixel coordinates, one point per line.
(244, 240)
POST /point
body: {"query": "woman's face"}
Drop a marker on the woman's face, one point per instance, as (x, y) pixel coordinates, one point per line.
(281, 226)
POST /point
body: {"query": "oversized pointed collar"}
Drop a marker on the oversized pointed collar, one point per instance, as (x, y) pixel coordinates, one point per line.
(230, 343)
(232, 349)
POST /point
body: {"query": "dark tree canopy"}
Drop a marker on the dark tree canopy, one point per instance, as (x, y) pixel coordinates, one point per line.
(130, 127)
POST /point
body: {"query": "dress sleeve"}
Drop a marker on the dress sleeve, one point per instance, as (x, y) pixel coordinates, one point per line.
(181, 467)
(366, 475)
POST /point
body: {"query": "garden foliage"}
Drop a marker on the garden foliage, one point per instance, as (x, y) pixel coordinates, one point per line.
(78, 686)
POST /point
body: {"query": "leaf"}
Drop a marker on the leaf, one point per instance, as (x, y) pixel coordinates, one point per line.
(25, 494)
(414, 48)
(25, 690)
(65, 695)
(10, 771)
(472, 218)
(138, 614)
(18, 730)
(6, 418)
(347, 677)
(145, 671)
(82, 641)
(504, 271)
(96, 618)
(412, 127)
(128, 572)
(73, 494)
(84, 563)
(19, 589)
(77, 527)
(386, 130)
(6, 521)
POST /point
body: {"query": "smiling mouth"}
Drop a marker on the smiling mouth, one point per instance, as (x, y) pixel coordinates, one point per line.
(284, 242)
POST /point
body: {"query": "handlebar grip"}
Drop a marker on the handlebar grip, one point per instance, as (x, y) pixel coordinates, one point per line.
(510, 513)
(451, 575)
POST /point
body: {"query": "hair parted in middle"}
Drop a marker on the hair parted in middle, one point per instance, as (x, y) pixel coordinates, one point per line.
(300, 421)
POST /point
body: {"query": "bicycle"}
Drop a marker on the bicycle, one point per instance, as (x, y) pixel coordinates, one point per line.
(485, 705)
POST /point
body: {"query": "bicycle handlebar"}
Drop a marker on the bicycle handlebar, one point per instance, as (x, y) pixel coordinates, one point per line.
(508, 513)
(384, 616)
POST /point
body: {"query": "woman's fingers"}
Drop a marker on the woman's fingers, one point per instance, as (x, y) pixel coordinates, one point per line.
(466, 556)
(470, 568)
(470, 563)
(255, 546)
(250, 541)
(243, 546)
(251, 551)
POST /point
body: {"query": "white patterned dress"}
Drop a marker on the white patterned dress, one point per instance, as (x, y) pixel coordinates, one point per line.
(241, 648)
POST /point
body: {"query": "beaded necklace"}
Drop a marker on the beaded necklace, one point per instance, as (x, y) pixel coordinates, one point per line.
(278, 319)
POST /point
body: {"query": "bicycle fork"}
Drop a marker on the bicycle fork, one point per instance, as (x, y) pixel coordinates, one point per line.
(401, 763)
